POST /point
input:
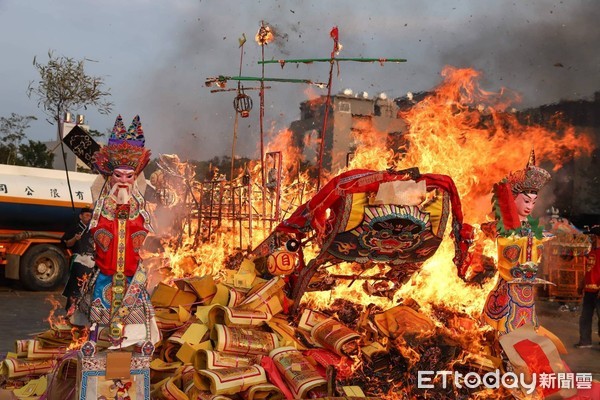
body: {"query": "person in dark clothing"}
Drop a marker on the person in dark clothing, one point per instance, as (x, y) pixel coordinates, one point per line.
(81, 243)
(591, 295)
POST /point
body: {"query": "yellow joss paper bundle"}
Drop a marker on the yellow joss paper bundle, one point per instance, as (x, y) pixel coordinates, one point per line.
(210, 359)
(234, 317)
(263, 391)
(401, 320)
(234, 380)
(16, 368)
(168, 296)
(21, 346)
(299, 374)
(203, 287)
(35, 351)
(243, 341)
(266, 297)
(335, 336)
(33, 389)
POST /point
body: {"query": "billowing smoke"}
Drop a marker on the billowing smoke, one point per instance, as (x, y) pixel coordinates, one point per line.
(543, 52)
(542, 49)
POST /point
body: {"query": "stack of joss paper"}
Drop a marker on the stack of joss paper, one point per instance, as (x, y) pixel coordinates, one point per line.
(231, 335)
(25, 369)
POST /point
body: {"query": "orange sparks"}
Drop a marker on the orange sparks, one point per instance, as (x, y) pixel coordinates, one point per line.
(264, 35)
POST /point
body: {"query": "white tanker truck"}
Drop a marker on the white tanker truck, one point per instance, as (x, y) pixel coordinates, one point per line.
(35, 210)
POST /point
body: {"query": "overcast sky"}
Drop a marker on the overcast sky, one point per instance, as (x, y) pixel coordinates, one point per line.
(155, 56)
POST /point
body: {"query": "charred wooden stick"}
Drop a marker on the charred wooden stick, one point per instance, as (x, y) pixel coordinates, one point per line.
(331, 375)
(359, 277)
(314, 60)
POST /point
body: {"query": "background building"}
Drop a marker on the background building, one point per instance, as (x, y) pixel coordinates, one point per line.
(351, 115)
(72, 162)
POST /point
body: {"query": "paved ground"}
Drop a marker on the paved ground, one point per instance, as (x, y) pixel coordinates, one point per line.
(565, 325)
(23, 315)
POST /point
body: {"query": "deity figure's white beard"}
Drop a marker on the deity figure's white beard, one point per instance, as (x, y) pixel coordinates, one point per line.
(121, 193)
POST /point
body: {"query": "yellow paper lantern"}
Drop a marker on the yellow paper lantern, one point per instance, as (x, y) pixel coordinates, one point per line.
(282, 263)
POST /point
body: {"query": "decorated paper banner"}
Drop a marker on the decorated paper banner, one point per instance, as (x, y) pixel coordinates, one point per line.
(82, 145)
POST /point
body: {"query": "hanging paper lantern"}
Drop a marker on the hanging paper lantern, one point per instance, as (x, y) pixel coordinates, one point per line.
(282, 263)
(243, 104)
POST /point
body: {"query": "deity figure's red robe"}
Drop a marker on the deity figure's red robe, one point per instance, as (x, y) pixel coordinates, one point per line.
(109, 256)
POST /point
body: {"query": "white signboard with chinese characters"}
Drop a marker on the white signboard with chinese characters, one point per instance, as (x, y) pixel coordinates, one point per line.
(44, 186)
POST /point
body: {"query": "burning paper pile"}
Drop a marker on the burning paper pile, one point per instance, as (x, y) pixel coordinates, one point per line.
(26, 368)
(234, 334)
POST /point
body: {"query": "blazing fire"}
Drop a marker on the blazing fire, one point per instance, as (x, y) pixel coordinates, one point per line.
(53, 319)
(475, 137)
(264, 35)
(61, 332)
(459, 130)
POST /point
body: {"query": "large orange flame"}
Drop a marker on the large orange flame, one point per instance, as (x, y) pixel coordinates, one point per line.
(457, 129)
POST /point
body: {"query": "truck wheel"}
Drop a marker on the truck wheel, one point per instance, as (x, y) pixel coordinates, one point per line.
(43, 267)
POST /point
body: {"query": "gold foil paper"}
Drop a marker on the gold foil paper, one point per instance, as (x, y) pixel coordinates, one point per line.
(264, 391)
(242, 341)
(210, 359)
(335, 336)
(265, 297)
(299, 374)
(234, 380)
(241, 318)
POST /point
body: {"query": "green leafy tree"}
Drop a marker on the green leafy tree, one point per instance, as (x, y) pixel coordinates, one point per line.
(12, 133)
(35, 154)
